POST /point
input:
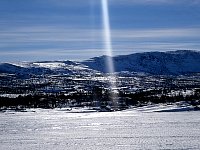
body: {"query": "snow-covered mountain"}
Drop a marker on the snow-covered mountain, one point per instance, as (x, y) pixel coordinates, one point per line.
(167, 63)
(157, 63)
(45, 67)
(19, 70)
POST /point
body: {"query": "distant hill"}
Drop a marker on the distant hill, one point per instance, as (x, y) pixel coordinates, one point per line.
(45, 67)
(157, 63)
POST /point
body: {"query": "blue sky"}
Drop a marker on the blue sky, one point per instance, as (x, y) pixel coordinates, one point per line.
(32, 30)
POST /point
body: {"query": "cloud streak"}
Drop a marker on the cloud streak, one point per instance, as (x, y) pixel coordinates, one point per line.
(62, 34)
(84, 3)
(66, 43)
(153, 2)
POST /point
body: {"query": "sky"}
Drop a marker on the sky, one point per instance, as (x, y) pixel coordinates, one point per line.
(34, 30)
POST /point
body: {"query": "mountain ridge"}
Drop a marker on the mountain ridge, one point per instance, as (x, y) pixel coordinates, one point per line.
(155, 63)
(163, 63)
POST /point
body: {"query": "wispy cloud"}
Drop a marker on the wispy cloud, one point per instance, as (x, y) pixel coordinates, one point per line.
(125, 2)
(84, 3)
(49, 42)
(157, 33)
(64, 34)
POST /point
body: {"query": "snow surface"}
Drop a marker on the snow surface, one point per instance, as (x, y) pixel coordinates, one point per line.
(40, 129)
(51, 65)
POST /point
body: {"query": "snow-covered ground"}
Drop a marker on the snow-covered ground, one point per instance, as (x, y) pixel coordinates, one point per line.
(125, 130)
(175, 107)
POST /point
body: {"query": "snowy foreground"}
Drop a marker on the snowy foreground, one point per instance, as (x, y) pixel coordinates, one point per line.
(84, 130)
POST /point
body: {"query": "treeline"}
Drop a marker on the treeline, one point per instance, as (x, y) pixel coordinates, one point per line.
(27, 88)
(98, 97)
(161, 96)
